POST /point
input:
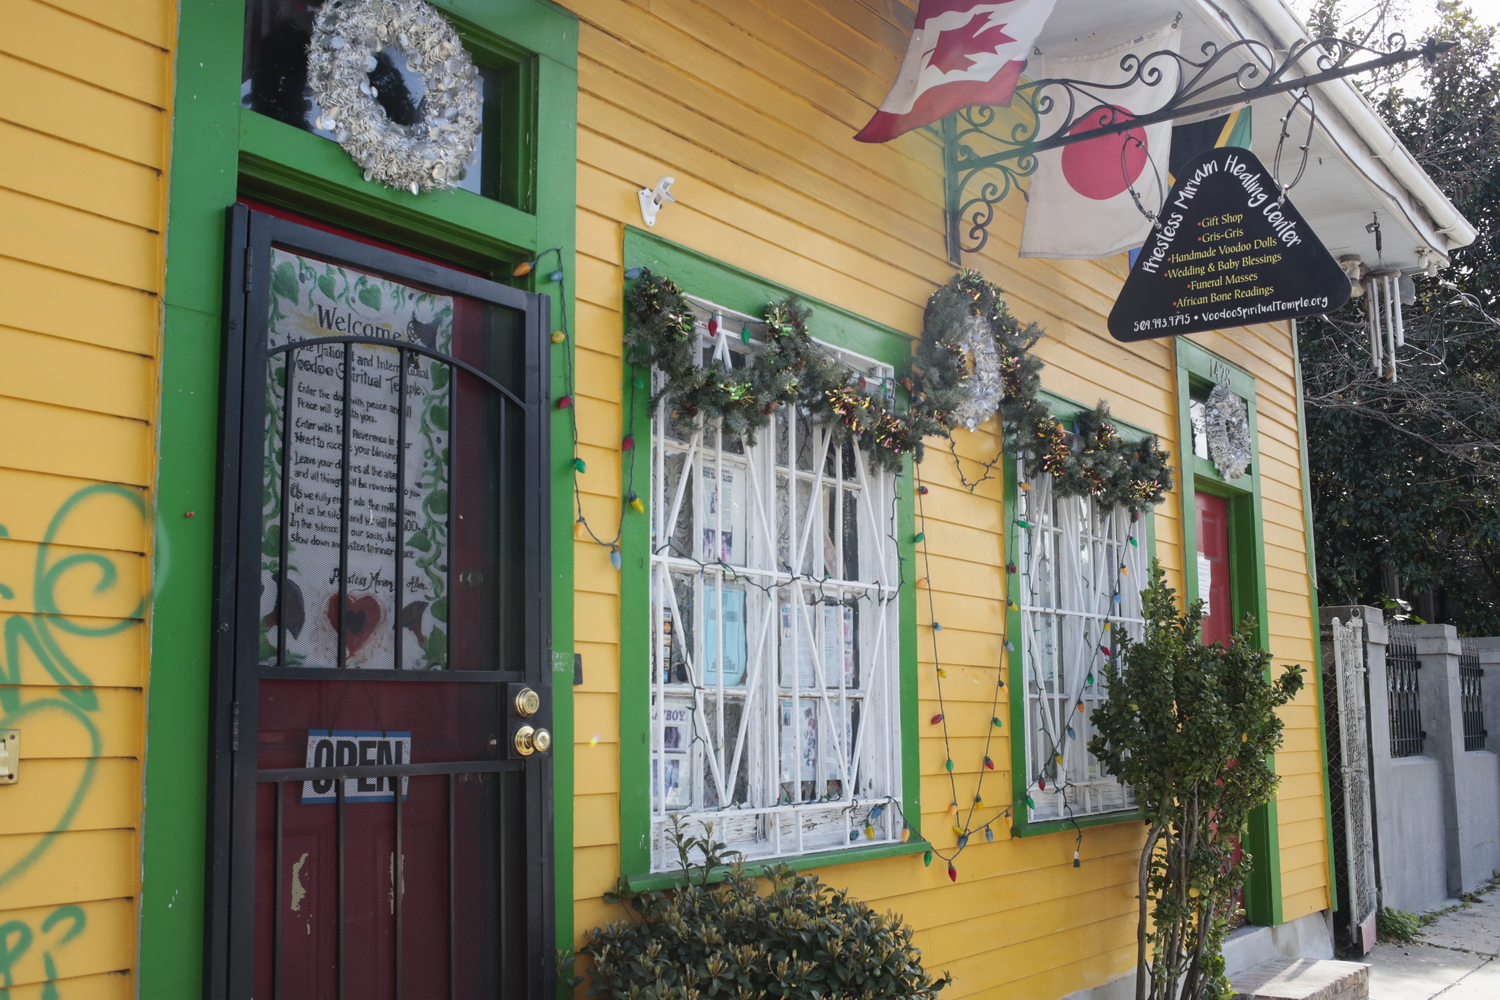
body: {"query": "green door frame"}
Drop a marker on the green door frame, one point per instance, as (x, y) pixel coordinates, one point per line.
(1198, 367)
(220, 152)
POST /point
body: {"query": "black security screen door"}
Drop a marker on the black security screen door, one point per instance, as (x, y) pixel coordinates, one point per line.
(385, 789)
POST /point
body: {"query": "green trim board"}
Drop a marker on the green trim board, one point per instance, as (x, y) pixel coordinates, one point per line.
(1312, 599)
(737, 289)
(873, 852)
(1064, 409)
(219, 152)
(1197, 367)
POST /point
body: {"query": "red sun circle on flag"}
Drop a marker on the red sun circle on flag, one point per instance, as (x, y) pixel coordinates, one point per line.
(1094, 167)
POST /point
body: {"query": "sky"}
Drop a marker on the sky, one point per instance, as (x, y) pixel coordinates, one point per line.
(1416, 17)
(1420, 14)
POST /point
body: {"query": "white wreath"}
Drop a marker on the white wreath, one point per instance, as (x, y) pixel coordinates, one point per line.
(985, 388)
(1227, 425)
(435, 152)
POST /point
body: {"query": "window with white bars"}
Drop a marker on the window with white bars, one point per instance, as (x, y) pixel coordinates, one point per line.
(775, 651)
(1081, 571)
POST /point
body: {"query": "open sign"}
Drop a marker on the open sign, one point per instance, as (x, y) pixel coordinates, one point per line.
(353, 748)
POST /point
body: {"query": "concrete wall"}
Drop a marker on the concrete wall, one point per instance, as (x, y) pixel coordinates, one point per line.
(1479, 816)
(1409, 820)
(1437, 814)
(1470, 788)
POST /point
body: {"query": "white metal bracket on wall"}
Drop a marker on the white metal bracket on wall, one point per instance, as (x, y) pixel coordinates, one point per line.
(10, 756)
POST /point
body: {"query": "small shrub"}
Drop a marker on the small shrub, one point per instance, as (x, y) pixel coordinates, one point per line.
(1397, 925)
(802, 939)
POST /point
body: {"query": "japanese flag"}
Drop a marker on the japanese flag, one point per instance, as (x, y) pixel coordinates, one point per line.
(962, 52)
(1079, 205)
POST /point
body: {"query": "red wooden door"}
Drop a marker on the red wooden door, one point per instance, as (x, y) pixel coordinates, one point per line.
(1215, 589)
(1213, 569)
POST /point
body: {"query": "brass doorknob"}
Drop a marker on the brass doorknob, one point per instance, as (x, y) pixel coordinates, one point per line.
(530, 741)
(524, 745)
(528, 702)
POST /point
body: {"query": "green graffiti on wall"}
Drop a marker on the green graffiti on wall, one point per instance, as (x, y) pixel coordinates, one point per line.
(73, 699)
(16, 939)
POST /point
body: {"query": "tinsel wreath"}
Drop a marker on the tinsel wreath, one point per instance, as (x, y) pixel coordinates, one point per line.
(1092, 460)
(1227, 426)
(791, 370)
(413, 147)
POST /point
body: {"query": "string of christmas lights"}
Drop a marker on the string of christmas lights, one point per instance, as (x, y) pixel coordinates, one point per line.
(967, 829)
(582, 530)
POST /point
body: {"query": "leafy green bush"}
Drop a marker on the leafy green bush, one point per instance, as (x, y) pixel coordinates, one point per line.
(802, 939)
(1397, 925)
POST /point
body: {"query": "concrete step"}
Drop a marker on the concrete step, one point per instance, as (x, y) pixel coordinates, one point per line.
(1303, 979)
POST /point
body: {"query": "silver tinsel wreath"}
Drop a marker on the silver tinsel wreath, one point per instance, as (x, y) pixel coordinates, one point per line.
(985, 386)
(435, 152)
(1227, 425)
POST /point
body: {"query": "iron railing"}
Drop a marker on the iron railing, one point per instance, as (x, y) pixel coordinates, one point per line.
(1401, 666)
(1471, 695)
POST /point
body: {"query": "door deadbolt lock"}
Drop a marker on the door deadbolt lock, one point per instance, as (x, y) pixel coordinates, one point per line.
(528, 702)
(10, 756)
(530, 741)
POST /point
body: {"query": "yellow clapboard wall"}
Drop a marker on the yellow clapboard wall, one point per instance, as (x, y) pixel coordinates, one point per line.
(85, 120)
(751, 106)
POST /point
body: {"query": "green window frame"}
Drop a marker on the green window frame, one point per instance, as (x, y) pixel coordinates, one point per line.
(1199, 369)
(735, 289)
(221, 152)
(1066, 410)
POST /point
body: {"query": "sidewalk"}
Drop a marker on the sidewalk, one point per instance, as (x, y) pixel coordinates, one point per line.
(1453, 958)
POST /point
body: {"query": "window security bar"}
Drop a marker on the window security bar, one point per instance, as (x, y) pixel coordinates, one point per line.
(1080, 587)
(775, 697)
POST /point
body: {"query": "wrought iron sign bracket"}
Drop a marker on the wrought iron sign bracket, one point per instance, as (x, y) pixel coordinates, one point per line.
(992, 149)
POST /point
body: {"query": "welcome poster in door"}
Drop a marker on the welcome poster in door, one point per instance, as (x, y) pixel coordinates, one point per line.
(329, 519)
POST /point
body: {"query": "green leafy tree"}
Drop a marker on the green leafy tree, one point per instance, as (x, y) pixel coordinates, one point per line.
(1406, 474)
(1191, 729)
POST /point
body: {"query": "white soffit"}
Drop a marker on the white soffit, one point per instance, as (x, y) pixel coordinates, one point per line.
(1356, 172)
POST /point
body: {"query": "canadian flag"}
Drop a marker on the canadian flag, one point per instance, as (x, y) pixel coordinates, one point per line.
(962, 53)
(1079, 205)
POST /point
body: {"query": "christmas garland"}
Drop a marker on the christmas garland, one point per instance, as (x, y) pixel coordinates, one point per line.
(1092, 459)
(953, 376)
(792, 370)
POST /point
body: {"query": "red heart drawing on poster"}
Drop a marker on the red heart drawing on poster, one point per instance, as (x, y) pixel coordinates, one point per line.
(364, 618)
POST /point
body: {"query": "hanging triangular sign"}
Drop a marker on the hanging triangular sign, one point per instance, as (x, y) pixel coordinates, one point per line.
(1226, 254)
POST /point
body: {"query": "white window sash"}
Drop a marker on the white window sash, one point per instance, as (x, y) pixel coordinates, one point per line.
(1073, 561)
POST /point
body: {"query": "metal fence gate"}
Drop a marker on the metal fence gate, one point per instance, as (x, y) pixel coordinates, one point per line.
(1346, 707)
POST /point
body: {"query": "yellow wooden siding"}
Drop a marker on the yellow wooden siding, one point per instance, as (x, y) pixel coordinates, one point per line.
(86, 130)
(751, 106)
